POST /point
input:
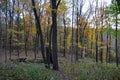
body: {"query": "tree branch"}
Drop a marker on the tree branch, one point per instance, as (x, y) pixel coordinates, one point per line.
(58, 3)
(118, 3)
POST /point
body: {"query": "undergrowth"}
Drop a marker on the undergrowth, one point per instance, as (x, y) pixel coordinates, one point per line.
(87, 69)
(26, 72)
(84, 69)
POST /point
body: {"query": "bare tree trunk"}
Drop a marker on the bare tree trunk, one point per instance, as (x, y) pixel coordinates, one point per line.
(64, 22)
(25, 33)
(5, 41)
(116, 41)
(72, 31)
(76, 56)
(39, 31)
(107, 53)
(101, 51)
(0, 36)
(18, 28)
(10, 37)
(54, 34)
(96, 32)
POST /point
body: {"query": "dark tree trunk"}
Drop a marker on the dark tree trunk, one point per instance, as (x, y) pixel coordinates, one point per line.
(116, 41)
(39, 31)
(10, 37)
(108, 42)
(49, 58)
(5, 41)
(109, 52)
(107, 48)
(76, 56)
(96, 31)
(0, 37)
(54, 34)
(101, 51)
(72, 31)
(96, 44)
(18, 29)
(36, 42)
(64, 53)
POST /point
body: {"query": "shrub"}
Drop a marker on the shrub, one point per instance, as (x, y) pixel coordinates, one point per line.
(26, 72)
(88, 70)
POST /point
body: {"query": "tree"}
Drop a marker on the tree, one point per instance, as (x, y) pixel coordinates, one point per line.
(96, 34)
(54, 32)
(38, 27)
(6, 26)
(64, 22)
(113, 11)
(116, 39)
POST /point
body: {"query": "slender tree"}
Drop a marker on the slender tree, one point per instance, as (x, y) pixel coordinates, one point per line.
(18, 28)
(10, 26)
(76, 53)
(64, 22)
(6, 27)
(96, 31)
(116, 40)
(54, 5)
(72, 31)
(39, 31)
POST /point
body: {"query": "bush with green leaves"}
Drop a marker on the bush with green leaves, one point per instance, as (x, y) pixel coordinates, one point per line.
(87, 69)
(26, 72)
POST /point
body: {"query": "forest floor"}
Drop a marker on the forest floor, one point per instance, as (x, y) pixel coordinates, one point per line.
(84, 69)
(31, 58)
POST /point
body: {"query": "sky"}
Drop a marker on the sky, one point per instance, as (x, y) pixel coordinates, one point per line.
(93, 2)
(86, 5)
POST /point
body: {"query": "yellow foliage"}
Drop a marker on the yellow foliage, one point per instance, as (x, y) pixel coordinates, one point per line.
(33, 30)
(62, 8)
(102, 47)
(113, 53)
(16, 44)
(23, 1)
(91, 34)
(14, 31)
(15, 40)
(68, 41)
(48, 9)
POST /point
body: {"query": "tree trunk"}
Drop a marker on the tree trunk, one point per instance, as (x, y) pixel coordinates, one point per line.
(18, 29)
(5, 41)
(54, 35)
(39, 31)
(72, 31)
(25, 34)
(96, 31)
(116, 41)
(76, 56)
(64, 53)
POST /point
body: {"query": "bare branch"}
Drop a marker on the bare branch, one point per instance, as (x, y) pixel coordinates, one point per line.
(58, 3)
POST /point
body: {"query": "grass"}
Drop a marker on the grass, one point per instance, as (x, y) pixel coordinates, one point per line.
(26, 72)
(84, 69)
(87, 69)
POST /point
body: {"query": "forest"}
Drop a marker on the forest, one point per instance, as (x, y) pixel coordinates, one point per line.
(59, 39)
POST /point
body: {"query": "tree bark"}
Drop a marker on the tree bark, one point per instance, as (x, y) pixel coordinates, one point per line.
(116, 41)
(64, 53)
(54, 34)
(39, 31)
